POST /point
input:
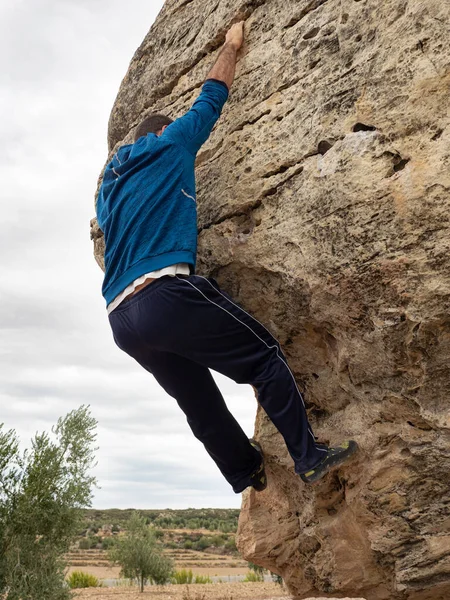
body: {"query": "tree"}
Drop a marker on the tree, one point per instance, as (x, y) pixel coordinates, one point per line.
(140, 556)
(42, 492)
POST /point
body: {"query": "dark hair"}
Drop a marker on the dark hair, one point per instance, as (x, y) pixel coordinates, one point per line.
(151, 124)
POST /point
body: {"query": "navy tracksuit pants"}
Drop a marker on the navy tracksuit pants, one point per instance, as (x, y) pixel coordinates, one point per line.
(179, 327)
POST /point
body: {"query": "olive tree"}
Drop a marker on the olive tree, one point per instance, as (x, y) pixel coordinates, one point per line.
(140, 555)
(42, 492)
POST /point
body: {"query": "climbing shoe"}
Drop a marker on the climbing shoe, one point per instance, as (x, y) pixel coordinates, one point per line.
(258, 480)
(335, 456)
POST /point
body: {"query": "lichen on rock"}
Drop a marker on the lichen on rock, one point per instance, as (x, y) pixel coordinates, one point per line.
(324, 209)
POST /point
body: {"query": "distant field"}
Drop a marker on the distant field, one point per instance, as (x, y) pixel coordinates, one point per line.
(198, 539)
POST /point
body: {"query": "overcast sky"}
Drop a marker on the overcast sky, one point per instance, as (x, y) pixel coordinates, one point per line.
(62, 62)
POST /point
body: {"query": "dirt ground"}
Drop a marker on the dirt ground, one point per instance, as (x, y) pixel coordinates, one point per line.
(215, 591)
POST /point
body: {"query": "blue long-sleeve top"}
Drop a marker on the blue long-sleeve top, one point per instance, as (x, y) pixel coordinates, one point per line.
(146, 205)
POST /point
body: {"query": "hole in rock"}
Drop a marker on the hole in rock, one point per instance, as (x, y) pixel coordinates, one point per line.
(358, 38)
(363, 127)
(280, 118)
(311, 33)
(315, 376)
(246, 231)
(248, 169)
(401, 164)
(314, 64)
(411, 424)
(318, 413)
(324, 146)
(344, 18)
(437, 135)
(406, 452)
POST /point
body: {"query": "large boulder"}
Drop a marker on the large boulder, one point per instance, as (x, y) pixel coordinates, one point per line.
(324, 209)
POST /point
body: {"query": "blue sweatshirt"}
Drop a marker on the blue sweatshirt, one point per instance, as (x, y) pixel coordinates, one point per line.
(146, 206)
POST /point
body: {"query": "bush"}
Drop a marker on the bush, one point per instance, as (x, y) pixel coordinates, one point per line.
(202, 543)
(108, 543)
(188, 545)
(94, 541)
(230, 545)
(84, 544)
(182, 576)
(202, 579)
(78, 579)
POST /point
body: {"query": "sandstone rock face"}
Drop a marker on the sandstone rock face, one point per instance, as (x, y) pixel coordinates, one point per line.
(323, 206)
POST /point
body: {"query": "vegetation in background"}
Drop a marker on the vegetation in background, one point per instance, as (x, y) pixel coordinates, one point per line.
(183, 576)
(140, 556)
(102, 527)
(277, 578)
(212, 519)
(41, 493)
(202, 579)
(78, 579)
(256, 573)
(253, 577)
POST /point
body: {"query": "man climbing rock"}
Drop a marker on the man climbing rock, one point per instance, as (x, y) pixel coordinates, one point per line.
(178, 325)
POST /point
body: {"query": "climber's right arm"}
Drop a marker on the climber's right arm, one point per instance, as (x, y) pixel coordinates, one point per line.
(193, 129)
(225, 66)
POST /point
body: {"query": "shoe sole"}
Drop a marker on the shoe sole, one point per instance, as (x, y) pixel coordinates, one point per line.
(339, 461)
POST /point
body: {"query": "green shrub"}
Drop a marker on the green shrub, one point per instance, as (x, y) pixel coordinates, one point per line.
(230, 545)
(108, 543)
(78, 579)
(253, 577)
(202, 543)
(256, 568)
(188, 545)
(202, 579)
(182, 576)
(95, 540)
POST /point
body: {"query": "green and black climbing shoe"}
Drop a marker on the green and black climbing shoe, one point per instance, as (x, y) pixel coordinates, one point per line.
(335, 457)
(258, 479)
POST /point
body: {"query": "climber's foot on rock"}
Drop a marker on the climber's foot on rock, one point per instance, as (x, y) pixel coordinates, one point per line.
(335, 457)
(258, 479)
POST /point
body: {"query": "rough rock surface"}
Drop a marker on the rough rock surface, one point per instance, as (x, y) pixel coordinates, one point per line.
(323, 204)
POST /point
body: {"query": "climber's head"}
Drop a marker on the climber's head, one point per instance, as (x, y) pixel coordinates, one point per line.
(152, 124)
